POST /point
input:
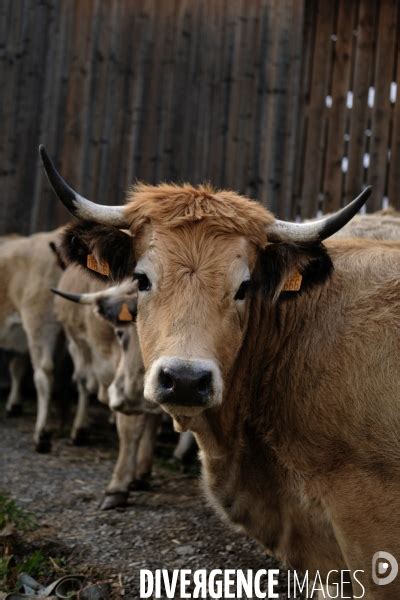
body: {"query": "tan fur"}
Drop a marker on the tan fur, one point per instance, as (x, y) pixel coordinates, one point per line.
(97, 359)
(383, 225)
(93, 346)
(307, 436)
(173, 205)
(28, 268)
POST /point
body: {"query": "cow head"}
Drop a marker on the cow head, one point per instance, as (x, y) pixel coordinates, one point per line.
(117, 305)
(199, 257)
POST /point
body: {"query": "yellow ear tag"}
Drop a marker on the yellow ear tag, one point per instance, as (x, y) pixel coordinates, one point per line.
(125, 313)
(101, 267)
(293, 283)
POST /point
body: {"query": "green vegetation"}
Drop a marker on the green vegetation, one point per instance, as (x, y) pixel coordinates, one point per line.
(10, 513)
(17, 554)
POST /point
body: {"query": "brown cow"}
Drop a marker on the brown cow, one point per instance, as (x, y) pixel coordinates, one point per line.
(280, 353)
(28, 267)
(98, 335)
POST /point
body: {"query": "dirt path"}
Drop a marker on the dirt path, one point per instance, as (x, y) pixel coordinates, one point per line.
(170, 527)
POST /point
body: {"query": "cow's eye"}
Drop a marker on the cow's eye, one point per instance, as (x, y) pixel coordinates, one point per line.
(144, 283)
(242, 291)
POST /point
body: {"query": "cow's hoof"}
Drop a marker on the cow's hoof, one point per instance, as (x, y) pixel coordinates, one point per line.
(43, 446)
(14, 411)
(116, 500)
(80, 437)
(141, 485)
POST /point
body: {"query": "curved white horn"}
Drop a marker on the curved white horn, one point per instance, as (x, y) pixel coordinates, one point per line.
(77, 205)
(317, 231)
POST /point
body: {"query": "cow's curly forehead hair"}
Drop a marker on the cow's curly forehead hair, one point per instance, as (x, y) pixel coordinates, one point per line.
(172, 206)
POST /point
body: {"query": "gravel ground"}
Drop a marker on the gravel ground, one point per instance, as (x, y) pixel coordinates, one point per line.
(170, 527)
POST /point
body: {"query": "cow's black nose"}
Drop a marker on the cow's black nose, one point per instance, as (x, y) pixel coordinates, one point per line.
(186, 385)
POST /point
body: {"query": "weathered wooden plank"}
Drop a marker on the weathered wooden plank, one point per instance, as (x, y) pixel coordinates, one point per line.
(98, 95)
(237, 84)
(333, 182)
(117, 106)
(218, 98)
(316, 109)
(384, 67)
(8, 147)
(359, 112)
(42, 210)
(284, 171)
(30, 89)
(78, 96)
(246, 146)
(308, 42)
(394, 172)
(151, 73)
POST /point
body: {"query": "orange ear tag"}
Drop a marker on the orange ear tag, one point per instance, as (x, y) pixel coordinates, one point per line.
(125, 313)
(293, 283)
(101, 267)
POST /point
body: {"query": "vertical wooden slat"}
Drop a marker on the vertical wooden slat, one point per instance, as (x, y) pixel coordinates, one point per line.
(236, 90)
(337, 113)
(305, 75)
(394, 172)
(294, 33)
(10, 66)
(247, 147)
(78, 96)
(151, 74)
(218, 96)
(282, 101)
(381, 112)
(359, 112)
(316, 110)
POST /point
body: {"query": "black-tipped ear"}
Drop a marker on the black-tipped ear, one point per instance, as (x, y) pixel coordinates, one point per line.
(118, 311)
(106, 252)
(310, 264)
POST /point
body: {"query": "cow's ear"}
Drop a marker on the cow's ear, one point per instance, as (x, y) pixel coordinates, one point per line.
(292, 268)
(118, 311)
(56, 251)
(104, 251)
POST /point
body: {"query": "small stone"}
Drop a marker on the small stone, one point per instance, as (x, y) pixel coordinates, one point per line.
(184, 550)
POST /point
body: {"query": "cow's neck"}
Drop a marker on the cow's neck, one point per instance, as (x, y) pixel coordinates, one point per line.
(262, 376)
(241, 470)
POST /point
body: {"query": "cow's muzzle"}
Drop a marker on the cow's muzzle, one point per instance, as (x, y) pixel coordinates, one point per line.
(176, 383)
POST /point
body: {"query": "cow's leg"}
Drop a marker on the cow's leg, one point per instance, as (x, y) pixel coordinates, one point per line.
(364, 509)
(42, 342)
(18, 365)
(43, 375)
(185, 446)
(130, 430)
(144, 462)
(80, 427)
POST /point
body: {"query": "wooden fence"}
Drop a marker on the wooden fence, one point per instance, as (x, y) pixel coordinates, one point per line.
(289, 101)
(349, 131)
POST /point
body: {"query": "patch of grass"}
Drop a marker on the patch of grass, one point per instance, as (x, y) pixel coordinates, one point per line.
(35, 564)
(16, 555)
(11, 513)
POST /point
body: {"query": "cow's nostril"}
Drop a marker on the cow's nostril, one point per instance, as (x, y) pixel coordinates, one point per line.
(166, 380)
(204, 384)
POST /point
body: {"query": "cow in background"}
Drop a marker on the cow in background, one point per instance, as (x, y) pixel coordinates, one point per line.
(100, 330)
(382, 225)
(28, 268)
